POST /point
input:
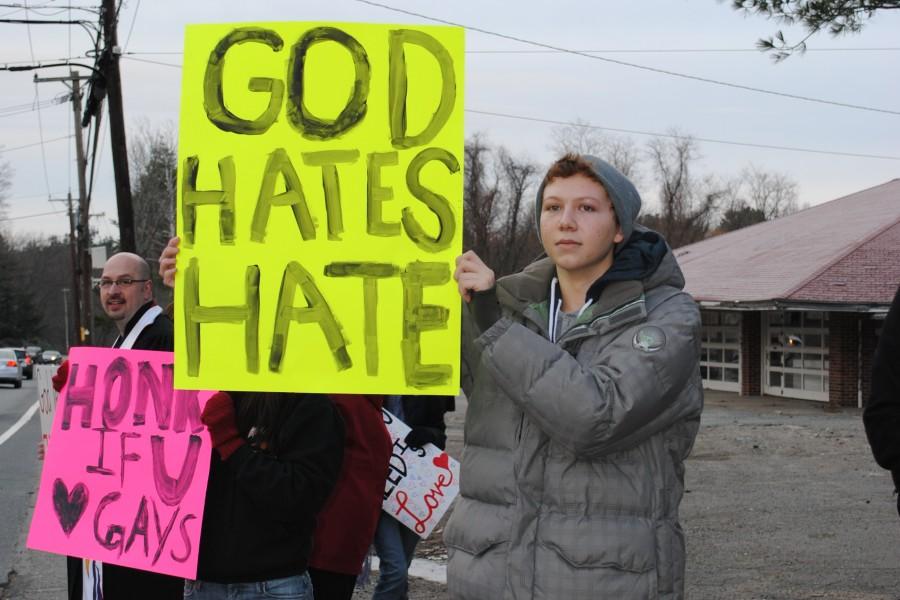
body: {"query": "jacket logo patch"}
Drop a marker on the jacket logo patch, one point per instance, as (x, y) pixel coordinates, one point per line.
(649, 339)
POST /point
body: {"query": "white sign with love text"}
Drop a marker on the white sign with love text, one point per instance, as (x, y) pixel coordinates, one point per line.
(421, 482)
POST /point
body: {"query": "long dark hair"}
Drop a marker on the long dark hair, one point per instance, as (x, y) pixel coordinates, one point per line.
(262, 413)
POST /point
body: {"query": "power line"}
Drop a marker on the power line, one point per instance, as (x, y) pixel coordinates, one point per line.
(55, 212)
(37, 97)
(41, 60)
(30, 106)
(44, 22)
(41, 143)
(43, 104)
(612, 51)
(675, 50)
(633, 65)
(133, 21)
(17, 198)
(670, 135)
(709, 140)
(153, 62)
(60, 7)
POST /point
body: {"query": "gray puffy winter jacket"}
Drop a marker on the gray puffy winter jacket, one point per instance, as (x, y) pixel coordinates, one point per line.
(573, 469)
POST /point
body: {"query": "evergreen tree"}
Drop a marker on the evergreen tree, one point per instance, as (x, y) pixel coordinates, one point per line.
(838, 17)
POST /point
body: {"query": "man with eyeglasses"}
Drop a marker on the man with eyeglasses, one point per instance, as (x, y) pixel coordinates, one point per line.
(126, 295)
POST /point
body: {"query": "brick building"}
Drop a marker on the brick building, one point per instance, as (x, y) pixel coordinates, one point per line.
(793, 307)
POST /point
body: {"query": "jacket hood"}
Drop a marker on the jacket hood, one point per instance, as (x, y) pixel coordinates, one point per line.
(646, 258)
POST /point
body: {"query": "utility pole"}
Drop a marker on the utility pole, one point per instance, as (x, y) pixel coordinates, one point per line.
(84, 226)
(109, 65)
(65, 292)
(73, 255)
(82, 273)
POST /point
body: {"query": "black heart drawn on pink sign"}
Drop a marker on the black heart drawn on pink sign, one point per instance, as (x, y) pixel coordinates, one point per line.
(69, 506)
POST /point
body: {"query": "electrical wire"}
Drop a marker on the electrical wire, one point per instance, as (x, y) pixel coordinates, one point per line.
(634, 65)
(152, 62)
(55, 212)
(676, 50)
(41, 60)
(37, 97)
(61, 8)
(620, 51)
(44, 104)
(31, 197)
(9, 111)
(99, 126)
(41, 143)
(133, 21)
(670, 135)
(636, 132)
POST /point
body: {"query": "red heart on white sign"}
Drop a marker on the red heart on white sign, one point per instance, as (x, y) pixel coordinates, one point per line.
(441, 461)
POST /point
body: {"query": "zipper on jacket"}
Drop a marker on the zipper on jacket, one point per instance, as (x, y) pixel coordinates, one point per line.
(585, 329)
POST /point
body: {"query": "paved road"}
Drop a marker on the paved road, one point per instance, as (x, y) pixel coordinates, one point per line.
(19, 470)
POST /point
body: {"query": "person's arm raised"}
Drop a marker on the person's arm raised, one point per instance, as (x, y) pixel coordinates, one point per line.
(167, 262)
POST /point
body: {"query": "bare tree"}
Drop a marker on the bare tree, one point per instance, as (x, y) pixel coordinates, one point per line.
(773, 194)
(153, 160)
(498, 202)
(5, 184)
(581, 137)
(687, 204)
(480, 193)
(20, 318)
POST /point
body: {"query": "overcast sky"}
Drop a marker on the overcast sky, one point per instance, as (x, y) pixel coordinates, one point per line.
(534, 84)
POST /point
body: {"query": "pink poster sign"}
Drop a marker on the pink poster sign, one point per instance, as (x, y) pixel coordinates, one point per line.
(421, 482)
(124, 480)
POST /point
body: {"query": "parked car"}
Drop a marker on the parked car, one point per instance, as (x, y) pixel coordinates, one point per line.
(51, 357)
(10, 369)
(25, 361)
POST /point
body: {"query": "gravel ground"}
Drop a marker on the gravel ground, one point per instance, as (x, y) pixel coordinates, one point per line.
(783, 502)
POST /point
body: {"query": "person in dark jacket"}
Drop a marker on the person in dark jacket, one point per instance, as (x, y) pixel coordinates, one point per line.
(126, 296)
(882, 413)
(395, 544)
(346, 525)
(276, 458)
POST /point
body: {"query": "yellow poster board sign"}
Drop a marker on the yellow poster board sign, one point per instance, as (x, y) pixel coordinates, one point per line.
(320, 208)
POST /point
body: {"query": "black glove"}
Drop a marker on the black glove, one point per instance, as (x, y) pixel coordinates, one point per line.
(419, 436)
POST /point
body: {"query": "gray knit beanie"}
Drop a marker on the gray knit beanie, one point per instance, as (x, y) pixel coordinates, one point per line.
(625, 198)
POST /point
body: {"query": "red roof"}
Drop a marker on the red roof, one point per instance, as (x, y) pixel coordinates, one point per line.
(846, 251)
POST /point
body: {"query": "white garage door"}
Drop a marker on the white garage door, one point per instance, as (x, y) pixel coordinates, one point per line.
(720, 350)
(796, 355)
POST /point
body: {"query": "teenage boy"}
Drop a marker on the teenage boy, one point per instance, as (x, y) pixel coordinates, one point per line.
(584, 401)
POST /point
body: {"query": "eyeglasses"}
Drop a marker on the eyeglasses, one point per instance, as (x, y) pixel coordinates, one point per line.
(125, 282)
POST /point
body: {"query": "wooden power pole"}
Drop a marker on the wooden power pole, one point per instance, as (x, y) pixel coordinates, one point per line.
(109, 65)
(82, 269)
